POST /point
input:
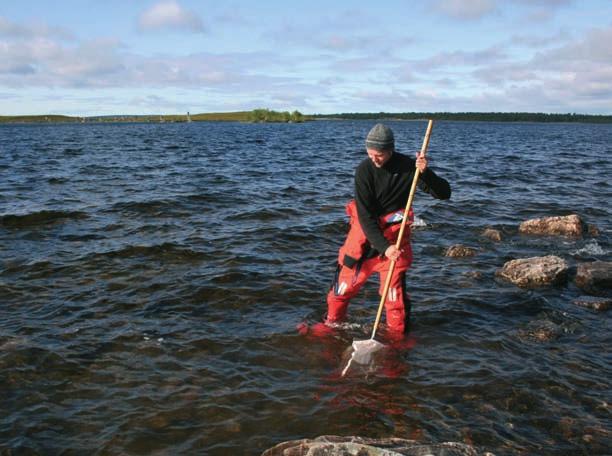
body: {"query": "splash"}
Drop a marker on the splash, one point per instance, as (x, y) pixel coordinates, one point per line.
(418, 222)
(589, 249)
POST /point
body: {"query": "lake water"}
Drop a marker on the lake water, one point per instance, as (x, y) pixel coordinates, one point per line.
(152, 277)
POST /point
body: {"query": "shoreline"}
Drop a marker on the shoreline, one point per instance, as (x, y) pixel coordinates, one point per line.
(245, 117)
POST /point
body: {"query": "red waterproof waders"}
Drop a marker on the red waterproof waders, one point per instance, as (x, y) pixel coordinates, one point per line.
(354, 269)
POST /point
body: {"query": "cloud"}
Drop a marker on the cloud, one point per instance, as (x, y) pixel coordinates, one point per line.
(13, 30)
(169, 15)
(106, 63)
(465, 9)
(527, 72)
(471, 10)
(339, 33)
(7, 96)
(539, 41)
(156, 103)
(463, 58)
(573, 76)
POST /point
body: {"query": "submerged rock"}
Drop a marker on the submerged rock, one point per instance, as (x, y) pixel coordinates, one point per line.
(494, 235)
(594, 303)
(593, 230)
(541, 331)
(594, 277)
(332, 445)
(459, 250)
(475, 275)
(535, 271)
(569, 225)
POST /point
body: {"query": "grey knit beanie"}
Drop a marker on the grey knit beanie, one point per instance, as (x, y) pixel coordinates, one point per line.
(380, 137)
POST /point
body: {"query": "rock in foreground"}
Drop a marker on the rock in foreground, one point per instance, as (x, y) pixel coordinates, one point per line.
(331, 445)
(569, 225)
(535, 271)
(594, 277)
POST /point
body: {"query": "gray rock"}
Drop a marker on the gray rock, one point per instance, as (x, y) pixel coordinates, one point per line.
(331, 445)
(594, 277)
(535, 271)
(569, 225)
(459, 250)
(594, 303)
(494, 235)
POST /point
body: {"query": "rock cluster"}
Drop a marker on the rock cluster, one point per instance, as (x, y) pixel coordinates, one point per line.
(594, 278)
(331, 445)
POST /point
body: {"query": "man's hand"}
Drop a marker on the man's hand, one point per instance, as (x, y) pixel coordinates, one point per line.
(421, 162)
(393, 253)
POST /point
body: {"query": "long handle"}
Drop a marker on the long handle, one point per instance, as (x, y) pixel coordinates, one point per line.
(383, 297)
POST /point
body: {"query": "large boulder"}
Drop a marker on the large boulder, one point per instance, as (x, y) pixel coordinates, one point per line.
(569, 225)
(535, 271)
(332, 445)
(595, 277)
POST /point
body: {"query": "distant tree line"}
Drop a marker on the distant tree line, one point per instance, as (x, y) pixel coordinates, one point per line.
(267, 115)
(474, 116)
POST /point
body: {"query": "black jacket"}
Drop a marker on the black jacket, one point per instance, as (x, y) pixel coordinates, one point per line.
(379, 191)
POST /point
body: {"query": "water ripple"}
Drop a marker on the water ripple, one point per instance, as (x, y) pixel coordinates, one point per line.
(152, 277)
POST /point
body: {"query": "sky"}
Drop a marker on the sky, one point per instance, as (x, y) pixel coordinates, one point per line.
(86, 57)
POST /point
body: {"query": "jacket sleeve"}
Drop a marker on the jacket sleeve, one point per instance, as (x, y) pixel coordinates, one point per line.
(367, 211)
(435, 185)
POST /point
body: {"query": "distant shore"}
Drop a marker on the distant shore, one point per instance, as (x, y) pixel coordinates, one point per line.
(265, 116)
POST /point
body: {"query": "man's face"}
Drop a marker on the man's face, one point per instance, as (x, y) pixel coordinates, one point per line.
(379, 157)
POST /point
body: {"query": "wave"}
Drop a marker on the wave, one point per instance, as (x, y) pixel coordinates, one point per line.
(39, 218)
(73, 151)
(58, 180)
(82, 238)
(264, 214)
(167, 250)
(153, 207)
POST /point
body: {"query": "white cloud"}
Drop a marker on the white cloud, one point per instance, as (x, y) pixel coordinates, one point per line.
(576, 76)
(470, 10)
(465, 9)
(540, 41)
(13, 30)
(463, 58)
(340, 33)
(169, 15)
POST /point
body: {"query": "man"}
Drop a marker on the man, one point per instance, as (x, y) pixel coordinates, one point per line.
(382, 187)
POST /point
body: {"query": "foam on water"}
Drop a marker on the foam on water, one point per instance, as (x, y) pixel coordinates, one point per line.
(591, 248)
(419, 222)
